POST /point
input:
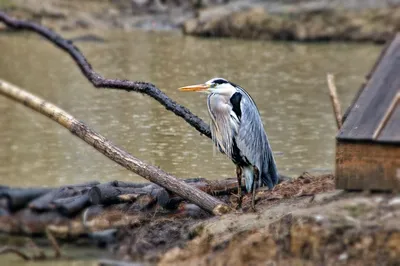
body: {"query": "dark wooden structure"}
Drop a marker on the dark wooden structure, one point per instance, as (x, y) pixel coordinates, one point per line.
(368, 144)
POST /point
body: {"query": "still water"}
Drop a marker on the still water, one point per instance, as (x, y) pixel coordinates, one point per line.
(287, 81)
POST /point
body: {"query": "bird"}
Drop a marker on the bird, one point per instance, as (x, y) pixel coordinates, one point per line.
(238, 132)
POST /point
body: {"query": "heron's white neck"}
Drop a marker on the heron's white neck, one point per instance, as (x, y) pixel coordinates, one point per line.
(225, 89)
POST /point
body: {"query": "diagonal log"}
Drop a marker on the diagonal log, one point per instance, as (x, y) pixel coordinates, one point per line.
(114, 153)
(100, 82)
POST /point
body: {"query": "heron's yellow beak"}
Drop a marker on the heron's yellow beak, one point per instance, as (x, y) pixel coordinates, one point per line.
(198, 87)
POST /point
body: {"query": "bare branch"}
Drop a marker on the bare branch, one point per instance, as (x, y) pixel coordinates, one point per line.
(100, 82)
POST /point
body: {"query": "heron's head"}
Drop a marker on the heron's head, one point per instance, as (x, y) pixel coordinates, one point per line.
(215, 85)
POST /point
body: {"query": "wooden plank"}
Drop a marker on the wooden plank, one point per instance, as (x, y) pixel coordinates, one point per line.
(374, 99)
(367, 166)
(367, 78)
(391, 131)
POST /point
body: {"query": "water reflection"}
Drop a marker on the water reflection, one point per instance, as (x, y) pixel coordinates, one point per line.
(287, 82)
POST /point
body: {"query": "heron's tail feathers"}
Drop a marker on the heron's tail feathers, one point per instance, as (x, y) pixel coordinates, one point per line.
(269, 174)
(248, 173)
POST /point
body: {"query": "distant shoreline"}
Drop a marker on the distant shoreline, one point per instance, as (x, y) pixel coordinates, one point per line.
(287, 20)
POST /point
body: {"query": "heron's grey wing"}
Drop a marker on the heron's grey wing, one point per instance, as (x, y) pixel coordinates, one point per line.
(253, 143)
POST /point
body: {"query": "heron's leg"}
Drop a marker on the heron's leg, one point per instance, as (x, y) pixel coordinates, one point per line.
(239, 178)
(253, 196)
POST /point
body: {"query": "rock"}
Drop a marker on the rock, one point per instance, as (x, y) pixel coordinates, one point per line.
(395, 202)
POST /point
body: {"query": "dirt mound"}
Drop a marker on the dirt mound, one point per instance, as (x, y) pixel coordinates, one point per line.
(149, 240)
(330, 228)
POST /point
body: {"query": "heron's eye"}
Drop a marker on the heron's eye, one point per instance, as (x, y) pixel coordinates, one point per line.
(213, 85)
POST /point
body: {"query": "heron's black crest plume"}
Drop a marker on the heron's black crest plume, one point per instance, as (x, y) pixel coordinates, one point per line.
(220, 81)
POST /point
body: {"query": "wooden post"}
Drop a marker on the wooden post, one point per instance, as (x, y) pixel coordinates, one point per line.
(334, 99)
(116, 154)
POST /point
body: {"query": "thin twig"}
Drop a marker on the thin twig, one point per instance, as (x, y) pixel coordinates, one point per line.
(38, 252)
(388, 114)
(334, 99)
(100, 82)
(54, 244)
(16, 251)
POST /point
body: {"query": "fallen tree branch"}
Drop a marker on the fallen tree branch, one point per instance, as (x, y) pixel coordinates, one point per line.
(100, 82)
(335, 100)
(114, 153)
(16, 251)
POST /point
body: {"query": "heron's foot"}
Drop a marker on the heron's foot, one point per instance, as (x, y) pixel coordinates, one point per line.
(239, 179)
(239, 200)
(253, 196)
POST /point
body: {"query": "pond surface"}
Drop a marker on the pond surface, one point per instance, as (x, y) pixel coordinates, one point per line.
(287, 81)
(71, 255)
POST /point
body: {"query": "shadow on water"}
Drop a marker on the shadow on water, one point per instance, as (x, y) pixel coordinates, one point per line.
(287, 81)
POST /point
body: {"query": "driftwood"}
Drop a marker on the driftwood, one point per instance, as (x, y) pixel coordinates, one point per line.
(18, 198)
(100, 82)
(118, 192)
(106, 194)
(73, 216)
(71, 206)
(131, 210)
(47, 201)
(71, 200)
(114, 153)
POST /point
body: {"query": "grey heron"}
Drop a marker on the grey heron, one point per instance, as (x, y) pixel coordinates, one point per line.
(238, 132)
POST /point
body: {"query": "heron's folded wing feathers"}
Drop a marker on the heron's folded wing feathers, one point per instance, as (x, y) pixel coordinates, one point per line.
(252, 141)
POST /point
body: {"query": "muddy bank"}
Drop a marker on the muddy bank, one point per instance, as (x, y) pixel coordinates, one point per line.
(291, 20)
(318, 24)
(352, 229)
(103, 14)
(333, 228)
(304, 220)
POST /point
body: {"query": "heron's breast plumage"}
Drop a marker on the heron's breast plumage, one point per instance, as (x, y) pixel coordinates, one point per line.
(225, 116)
